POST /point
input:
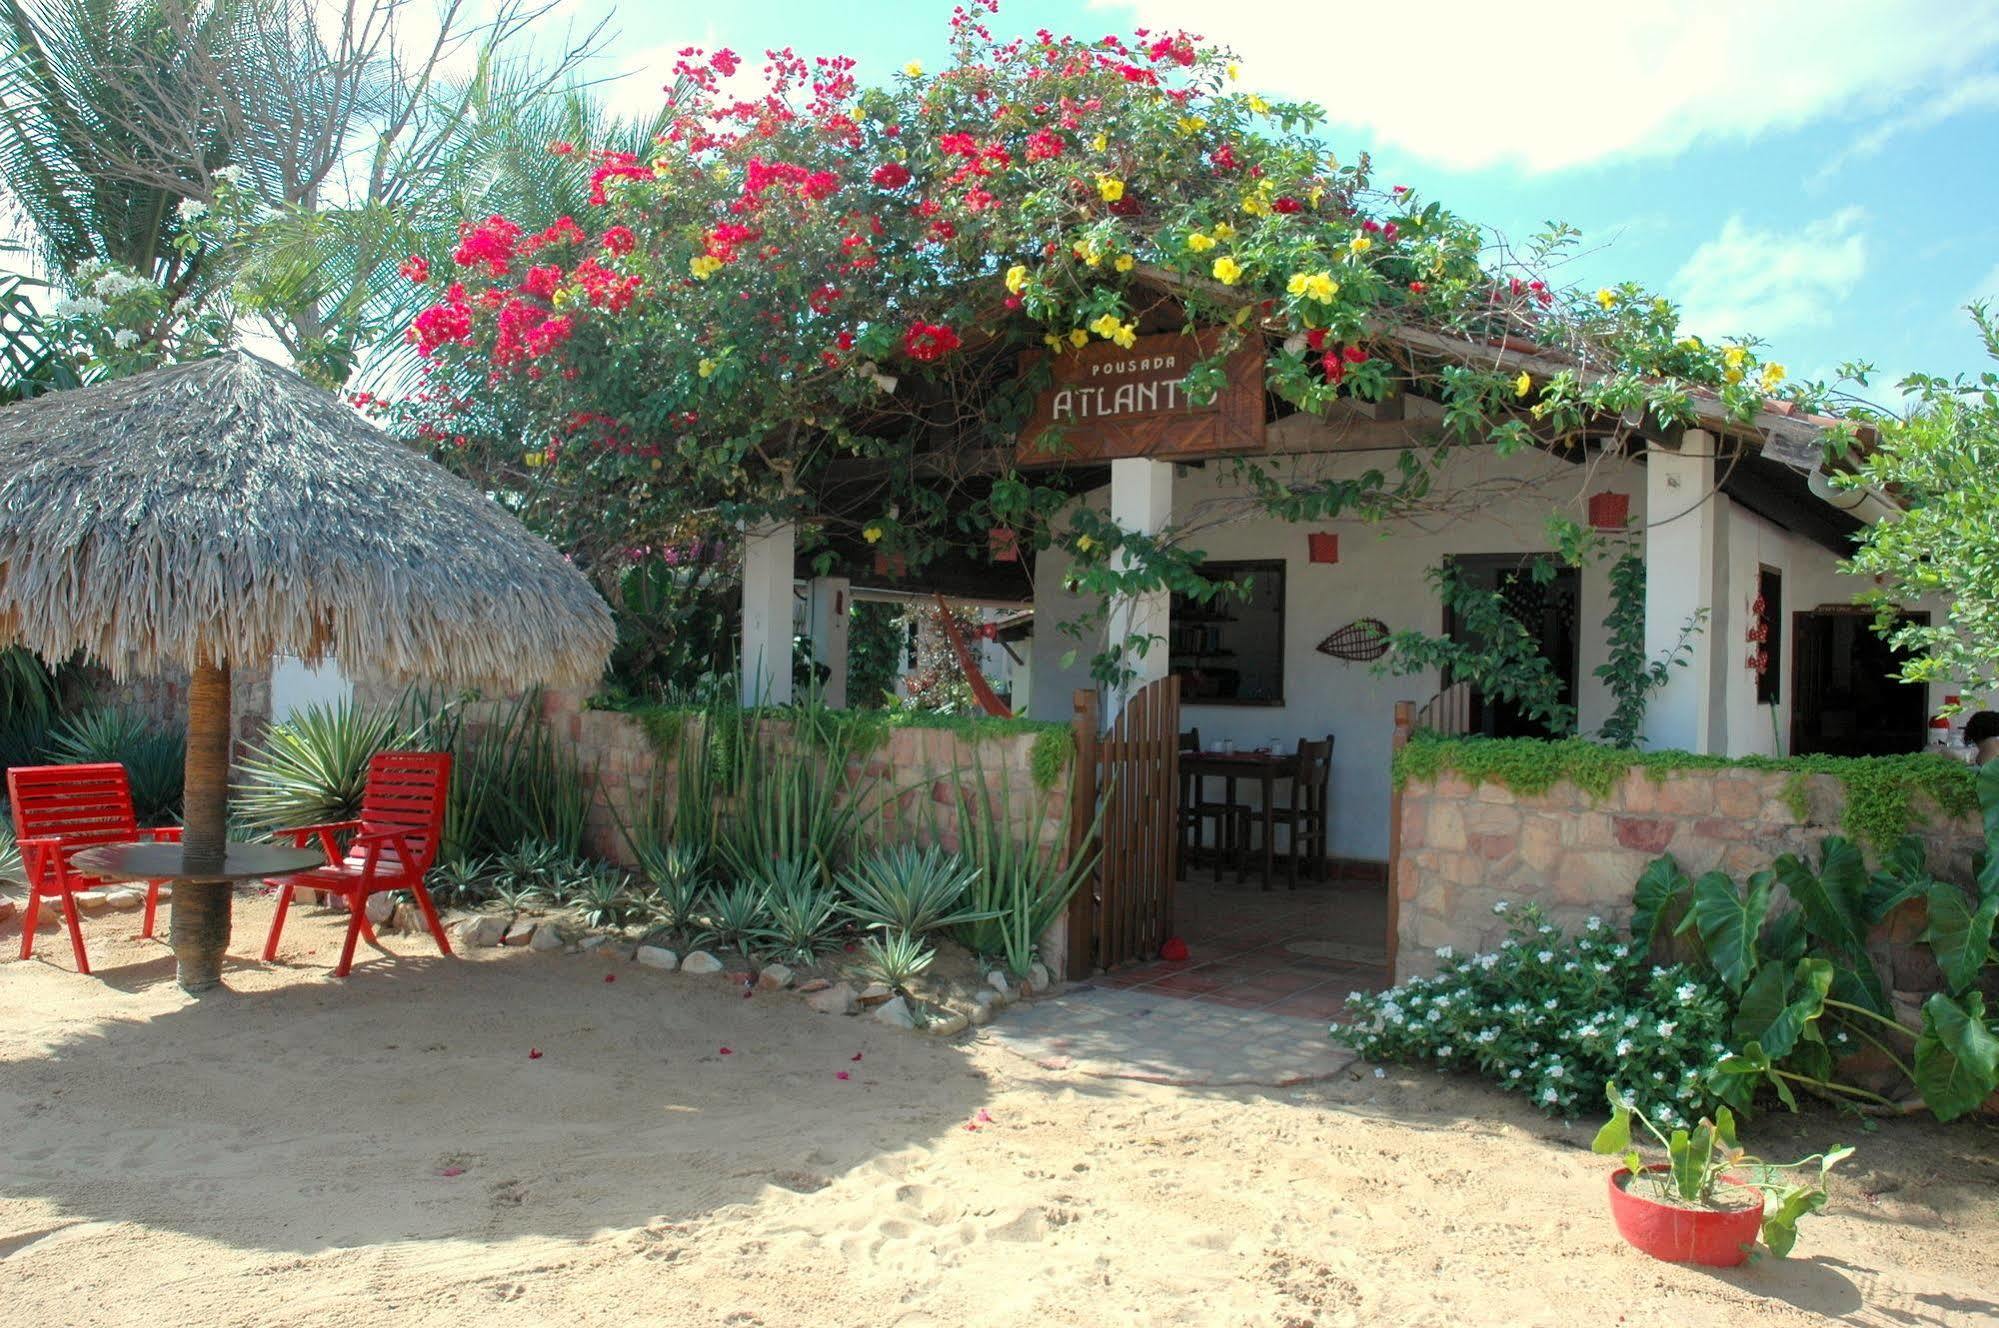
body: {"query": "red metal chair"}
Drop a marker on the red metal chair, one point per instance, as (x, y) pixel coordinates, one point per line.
(59, 809)
(390, 848)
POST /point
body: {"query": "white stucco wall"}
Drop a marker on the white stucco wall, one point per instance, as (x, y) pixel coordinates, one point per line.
(1488, 505)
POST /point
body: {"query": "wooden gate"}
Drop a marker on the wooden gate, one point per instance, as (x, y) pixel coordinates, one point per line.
(1126, 789)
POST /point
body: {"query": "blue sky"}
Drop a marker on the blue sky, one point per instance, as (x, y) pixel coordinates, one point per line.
(1817, 172)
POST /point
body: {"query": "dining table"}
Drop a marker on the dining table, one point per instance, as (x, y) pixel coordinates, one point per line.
(1262, 767)
(173, 862)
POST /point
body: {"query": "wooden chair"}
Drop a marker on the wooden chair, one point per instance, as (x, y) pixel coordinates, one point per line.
(1231, 819)
(1302, 814)
(391, 847)
(59, 809)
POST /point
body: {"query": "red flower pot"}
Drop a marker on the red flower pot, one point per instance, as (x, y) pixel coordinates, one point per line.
(1720, 1238)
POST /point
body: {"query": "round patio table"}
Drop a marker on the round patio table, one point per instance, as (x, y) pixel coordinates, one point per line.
(172, 863)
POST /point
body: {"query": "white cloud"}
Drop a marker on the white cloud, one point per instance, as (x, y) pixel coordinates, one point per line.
(1552, 84)
(1751, 280)
(637, 86)
(1980, 92)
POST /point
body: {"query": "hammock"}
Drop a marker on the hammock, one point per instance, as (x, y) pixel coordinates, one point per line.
(982, 690)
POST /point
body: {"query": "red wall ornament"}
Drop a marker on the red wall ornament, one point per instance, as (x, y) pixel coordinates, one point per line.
(1609, 511)
(1324, 546)
(1003, 543)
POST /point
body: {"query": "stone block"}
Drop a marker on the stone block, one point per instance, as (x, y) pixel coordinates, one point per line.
(1497, 794)
(895, 1013)
(1494, 848)
(1447, 826)
(775, 977)
(1689, 794)
(1540, 843)
(1723, 828)
(1488, 818)
(1738, 796)
(1643, 834)
(835, 999)
(1597, 879)
(519, 932)
(700, 961)
(657, 956)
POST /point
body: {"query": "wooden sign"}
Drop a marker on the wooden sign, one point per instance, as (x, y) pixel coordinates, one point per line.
(1108, 401)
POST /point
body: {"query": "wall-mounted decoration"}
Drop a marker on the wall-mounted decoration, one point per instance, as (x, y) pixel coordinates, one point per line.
(1360, 640)
(1324, 546)
(1003, 542)
(892, 565)
(1609, 511)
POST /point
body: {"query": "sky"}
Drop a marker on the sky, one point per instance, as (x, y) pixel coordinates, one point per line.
(1819, 173)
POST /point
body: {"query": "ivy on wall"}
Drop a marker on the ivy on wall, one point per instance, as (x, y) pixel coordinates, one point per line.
(1885, 796)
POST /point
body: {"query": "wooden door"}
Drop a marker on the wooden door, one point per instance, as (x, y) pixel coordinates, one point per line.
(1128, 788)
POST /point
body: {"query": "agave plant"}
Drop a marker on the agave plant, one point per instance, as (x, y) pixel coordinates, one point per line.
(10, 854)
(1019, 886)
(804, 911)
(313, 767)
(465, 883)
(894, 959)
(736, 917)
(677, 880)
(601, 897)
(911, 890)
(153, 756)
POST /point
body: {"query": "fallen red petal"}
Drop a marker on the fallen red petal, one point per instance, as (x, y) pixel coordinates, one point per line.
(726, 1052)
(610, 977)
(451, 1171)
(985, 1116)
(534, 1053)
(856, 1056)
(841, 1074)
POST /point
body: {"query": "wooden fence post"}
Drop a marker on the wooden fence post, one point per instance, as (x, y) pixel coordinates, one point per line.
(1082, 817)
(1405, 722)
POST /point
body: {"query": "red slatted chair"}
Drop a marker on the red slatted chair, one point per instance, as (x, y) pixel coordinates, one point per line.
(390, 848)
(59, 809)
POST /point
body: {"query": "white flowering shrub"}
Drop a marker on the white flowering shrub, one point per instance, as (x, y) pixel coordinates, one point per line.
(1556, 1017)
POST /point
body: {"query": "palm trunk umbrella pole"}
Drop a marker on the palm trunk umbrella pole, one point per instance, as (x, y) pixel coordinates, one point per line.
(213, 515)
(200, 919)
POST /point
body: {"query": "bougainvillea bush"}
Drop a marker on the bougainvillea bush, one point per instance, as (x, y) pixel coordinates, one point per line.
(1556, 1017)
(807, 269)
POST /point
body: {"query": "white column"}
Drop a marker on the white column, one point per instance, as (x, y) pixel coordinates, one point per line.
(768, 555)
(1141, 501)
(826, 613)
(1686, 542)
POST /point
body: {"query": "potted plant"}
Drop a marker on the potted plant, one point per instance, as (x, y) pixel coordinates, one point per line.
(1709, 1200)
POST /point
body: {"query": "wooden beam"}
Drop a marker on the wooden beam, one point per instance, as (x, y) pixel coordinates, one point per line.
(1302, 433)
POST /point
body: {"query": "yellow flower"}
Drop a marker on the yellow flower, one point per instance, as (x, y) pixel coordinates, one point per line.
(1200, 243)
(872, 534)
(1106, 326)
(1124, 263)
(1100, 142)
(1258, 104)
(1110, 188)
(1224, 231)
(1050, 340)
(1523, 384)
(1314, 285)
(1733, 356)
(1732, 376)
(1084, 544)
(914, 69)
(1332, 162)
(533, 459)
(1078, 338)
(1296, 285)
(1688, 343)
(1126, 336)
(1227, 270)
(1314, 194)
(1235, 71)
(1087, 251)
(661, 168)
(1605, 297)
(1016, 278)
(1773, 374)
(1190, 125)
(1360, 244)
(704, 266)
(1256, 205)
(706, 368)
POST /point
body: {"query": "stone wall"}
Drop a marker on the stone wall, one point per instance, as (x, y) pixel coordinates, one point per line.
(1465, 847)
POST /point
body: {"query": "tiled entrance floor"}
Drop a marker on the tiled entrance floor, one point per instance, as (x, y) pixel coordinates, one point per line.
(1290, 952)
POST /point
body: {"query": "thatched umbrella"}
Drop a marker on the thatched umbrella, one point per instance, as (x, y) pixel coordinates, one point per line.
(215, 514)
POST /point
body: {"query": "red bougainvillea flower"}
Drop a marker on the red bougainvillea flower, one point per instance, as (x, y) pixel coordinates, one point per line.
(614, 166)
(488, 244)
(542, 281)
(562, 147)
(725, 1051)
(448, 1172)
(619, 240)
(1417, 288)
(856, 1056)
(534, 1053)
(1045, 145)
(891, 175)
(725, 62)
(842, 1074)
(415, 268)
(925, 342)
(1355, 355)
(610, 977)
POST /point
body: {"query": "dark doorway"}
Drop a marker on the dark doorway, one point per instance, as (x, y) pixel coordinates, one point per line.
(1845, 697)
(1549, 609)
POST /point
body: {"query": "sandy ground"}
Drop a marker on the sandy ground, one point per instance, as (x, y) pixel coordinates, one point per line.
(385, 1151)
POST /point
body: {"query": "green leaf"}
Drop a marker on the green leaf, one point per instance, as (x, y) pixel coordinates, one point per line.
(1691, 1156)
(1780, 1004)
(1660, 886)
(1959, 933)
(1832, 897)
(1957, 1057)
(1787, 1205)
(1728, 922)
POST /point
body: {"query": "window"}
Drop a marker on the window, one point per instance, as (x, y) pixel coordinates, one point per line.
(1548, 610)
(1230, 650)
(1770, 609)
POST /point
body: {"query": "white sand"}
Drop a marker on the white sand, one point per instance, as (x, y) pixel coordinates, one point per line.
(273, 1156)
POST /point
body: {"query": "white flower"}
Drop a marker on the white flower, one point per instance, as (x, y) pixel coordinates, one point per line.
(1380, 1073)
(124, 338)
(1550, 1003)
(1501, 906)
(1666, 1027)
(191, 209)
(1444, 1050)
(1445, 952)
(79, 306)
(1549, 1095)
(115, 283)
(230, 174)
(1594, 924)
(1624, 1047)
(1687, 991)
(1546, 956)
(1513, 1073)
